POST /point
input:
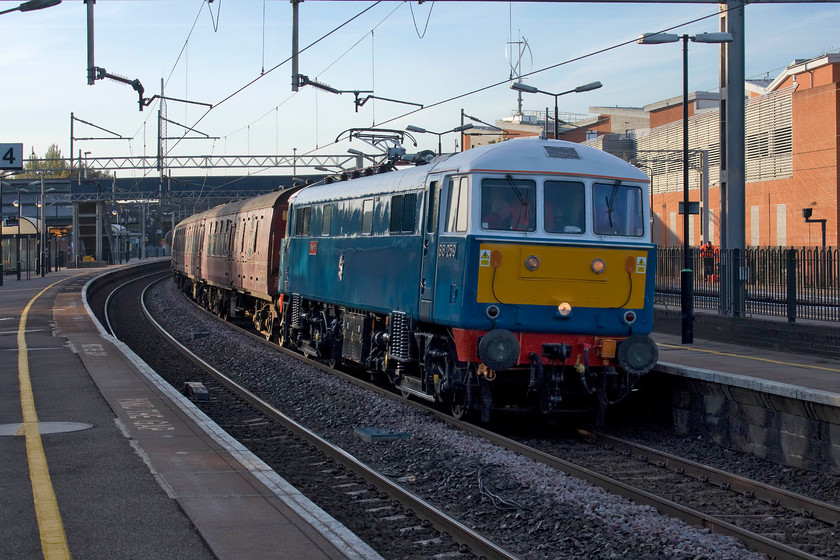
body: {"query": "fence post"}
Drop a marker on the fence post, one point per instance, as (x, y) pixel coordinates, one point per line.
(791, 285)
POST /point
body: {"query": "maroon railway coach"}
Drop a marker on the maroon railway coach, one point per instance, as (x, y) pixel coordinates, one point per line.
(228, 257)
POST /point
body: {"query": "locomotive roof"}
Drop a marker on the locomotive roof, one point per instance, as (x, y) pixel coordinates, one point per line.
(518, 156)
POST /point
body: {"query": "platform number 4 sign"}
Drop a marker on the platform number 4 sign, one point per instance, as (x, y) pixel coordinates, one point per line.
(11, 156)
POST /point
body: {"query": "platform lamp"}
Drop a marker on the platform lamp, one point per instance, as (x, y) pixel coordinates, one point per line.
(2, 272)
(463, 127)
(519, 86)
(687, 275)
(18, 204)
(32, 5)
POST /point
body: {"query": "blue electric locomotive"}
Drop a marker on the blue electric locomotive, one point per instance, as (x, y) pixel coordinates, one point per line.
(514, 275)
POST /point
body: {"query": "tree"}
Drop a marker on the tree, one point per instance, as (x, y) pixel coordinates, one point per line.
(54, 166)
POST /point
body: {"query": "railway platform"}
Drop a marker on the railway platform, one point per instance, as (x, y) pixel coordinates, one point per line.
(103, 460)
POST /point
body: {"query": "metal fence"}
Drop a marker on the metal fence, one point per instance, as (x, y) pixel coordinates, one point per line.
(787, 282)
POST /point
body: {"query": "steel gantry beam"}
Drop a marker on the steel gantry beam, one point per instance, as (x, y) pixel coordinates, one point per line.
(145, 163)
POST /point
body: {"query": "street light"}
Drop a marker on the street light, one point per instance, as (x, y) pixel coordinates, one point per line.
(463, 127)
(33, 5)
(519, 86)
(18, 204)
(2, 272)
(687, 276)
(42, 205)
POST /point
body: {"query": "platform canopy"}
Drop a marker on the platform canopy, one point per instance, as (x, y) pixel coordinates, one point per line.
(29, 226)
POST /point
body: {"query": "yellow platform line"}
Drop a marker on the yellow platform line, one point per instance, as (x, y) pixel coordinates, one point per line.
(730, 354)
(53, 540)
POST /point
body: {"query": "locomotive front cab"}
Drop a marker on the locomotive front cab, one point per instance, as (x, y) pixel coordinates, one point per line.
(546, 285)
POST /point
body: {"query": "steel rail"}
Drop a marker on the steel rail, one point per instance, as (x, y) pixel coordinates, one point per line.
(776, 550)
(810, 507)
(441, 521)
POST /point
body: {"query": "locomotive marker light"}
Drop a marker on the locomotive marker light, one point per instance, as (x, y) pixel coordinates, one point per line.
(462, 128)
(519, 86)
(598, 266)
(687, 276)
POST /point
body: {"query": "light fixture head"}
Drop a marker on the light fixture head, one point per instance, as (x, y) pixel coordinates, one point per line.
(588, 87)
(711, 38)
(412, 128)
(657, 38)
(519, 86)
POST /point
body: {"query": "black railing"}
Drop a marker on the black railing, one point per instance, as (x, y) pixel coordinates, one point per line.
(789, 282)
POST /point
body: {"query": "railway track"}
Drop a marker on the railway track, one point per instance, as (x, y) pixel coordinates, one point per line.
(319, 467)
(817, 523)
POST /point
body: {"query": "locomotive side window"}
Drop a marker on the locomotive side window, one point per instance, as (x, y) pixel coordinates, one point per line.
(403, 213)
(302, 221)
(432, 212)
(326, 219)
(618, 210)
(367, 216)
(457, 207)
(564, 207)
(509, 204)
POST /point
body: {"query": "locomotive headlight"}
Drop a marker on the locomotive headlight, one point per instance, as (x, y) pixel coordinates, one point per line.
(564, 309)
(532, 262)
(598, 266)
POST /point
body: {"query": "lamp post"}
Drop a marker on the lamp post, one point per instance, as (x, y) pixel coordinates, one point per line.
(2, 272)
(519, 86)
(43, 233)
(687, 275)
(19, 203)
(463, 127)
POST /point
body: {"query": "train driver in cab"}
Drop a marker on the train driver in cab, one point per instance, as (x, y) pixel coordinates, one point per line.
(499, 215)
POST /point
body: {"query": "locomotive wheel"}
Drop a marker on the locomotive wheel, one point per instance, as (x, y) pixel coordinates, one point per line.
(458, 406)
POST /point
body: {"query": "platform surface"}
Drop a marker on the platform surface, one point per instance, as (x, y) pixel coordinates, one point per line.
(103, 460)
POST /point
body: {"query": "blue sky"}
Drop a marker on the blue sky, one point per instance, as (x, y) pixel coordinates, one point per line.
(206, 52)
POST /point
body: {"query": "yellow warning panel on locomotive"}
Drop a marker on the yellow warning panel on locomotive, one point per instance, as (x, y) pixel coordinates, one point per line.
(550, 275)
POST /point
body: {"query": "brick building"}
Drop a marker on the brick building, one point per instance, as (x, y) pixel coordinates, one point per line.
(792, 141)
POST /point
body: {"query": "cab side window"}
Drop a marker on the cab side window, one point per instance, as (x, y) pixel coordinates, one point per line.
(457, 207)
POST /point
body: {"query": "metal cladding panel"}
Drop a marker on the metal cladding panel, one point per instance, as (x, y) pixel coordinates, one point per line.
(526, 307)
(374, 273)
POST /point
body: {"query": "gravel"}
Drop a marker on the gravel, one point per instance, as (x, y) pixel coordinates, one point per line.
(524, 506)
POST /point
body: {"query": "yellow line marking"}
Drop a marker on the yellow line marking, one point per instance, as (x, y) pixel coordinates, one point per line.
(729, 354)
(53, 539)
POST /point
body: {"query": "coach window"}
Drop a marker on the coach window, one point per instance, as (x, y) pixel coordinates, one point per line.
(457, 207)
(256, 235)
(617, 209)
(564, 207)
(367, 216)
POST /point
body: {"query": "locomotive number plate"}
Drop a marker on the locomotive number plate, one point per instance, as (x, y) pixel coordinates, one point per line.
(448, 251)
